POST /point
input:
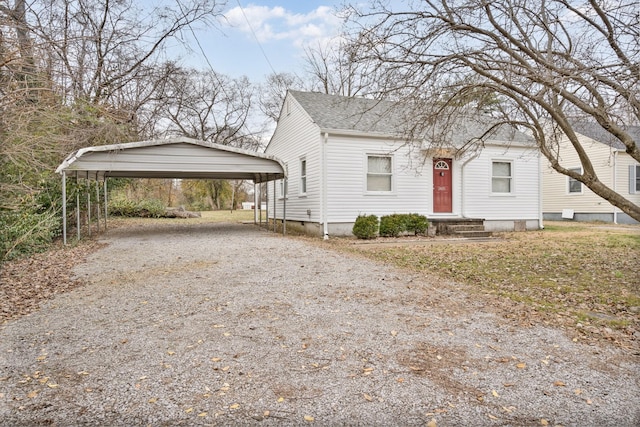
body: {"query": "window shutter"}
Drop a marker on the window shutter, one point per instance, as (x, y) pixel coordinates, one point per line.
(632, 179)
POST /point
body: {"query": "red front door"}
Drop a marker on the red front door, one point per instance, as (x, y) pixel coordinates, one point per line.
(442, 186)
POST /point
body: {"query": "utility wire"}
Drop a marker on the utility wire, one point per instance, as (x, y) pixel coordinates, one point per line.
(213, 71)
(256, 37)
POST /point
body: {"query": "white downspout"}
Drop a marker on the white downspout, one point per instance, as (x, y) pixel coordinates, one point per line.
(540, 192)
(615, 168)
(323, 197)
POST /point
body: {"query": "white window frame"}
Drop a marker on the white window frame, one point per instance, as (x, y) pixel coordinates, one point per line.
(571, 180)
(303, 176)
(634, 179)
(391, 174)
(511, 178)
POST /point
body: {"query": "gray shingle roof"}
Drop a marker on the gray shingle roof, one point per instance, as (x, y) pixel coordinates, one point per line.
(348, 113)
(596, 132)
(333, 112)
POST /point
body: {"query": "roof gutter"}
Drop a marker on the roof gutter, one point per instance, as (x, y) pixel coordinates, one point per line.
(352, 132)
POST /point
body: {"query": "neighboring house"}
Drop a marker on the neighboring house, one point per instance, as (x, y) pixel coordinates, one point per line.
(566, 198)
(345, 156)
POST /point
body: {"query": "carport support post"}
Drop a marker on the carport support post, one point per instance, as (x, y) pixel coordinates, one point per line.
(88, 205)
(97, 203)
(275, 200)
(64, 207)
(260, 205)
(106, 209)
(255, 203)
(284, 208)
(77, 206)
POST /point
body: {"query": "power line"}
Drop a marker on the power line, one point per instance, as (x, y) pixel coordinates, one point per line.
(256, 37)
(213, 71)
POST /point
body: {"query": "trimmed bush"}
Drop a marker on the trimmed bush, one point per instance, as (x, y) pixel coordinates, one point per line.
(365, 227)
(396, 224)
(416, 224)
(392, 225)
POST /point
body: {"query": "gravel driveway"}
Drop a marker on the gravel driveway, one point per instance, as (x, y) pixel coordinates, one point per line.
(225, 324)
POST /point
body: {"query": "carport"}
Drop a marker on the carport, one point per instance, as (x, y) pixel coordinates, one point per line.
(177, 158)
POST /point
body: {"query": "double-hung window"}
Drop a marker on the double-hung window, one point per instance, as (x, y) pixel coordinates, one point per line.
(303, 176)
(501, 177)
(574, 186)
(379, 173)
(634, 179)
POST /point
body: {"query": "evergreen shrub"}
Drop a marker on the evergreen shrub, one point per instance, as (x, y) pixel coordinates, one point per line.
(392, 225)
(417, 224)
(396, 224)
(365, 227)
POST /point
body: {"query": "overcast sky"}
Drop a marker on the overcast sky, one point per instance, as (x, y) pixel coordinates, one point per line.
(280, 28)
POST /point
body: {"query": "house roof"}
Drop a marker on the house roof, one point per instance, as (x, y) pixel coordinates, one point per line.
(371, 116)
(333, 112)
(172, 158)
(596, 132)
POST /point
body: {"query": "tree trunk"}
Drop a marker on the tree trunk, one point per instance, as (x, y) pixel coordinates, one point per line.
(24, 41)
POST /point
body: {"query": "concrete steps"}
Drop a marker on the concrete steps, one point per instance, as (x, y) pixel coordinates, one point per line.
(471, 228)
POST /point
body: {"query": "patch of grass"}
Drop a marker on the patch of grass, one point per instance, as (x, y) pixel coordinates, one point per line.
(238, 215)
(562, 269)
(568, 226)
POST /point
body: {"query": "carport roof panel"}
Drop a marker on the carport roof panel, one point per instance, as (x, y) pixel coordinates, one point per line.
(173, 158)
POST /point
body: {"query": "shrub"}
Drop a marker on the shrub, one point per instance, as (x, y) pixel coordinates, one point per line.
(26, 231)
(122, 206)
(396, 224)
(417, 224)
(365, 227)
(392, 225)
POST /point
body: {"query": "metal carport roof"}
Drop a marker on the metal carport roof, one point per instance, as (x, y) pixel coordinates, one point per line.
(179, 158)
(184, 158)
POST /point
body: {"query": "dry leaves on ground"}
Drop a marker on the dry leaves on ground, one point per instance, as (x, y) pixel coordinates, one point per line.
(26, 283)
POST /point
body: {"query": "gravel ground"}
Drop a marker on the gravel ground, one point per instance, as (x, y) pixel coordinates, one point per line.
(225, 324)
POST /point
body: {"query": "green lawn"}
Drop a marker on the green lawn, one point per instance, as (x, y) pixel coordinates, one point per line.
(229, 216)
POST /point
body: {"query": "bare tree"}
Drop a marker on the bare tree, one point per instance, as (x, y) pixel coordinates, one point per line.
(211, 107)
(95, 48)
(273, 91)
(15, 17)
(333, 69)
(330, 69)
(542, 65)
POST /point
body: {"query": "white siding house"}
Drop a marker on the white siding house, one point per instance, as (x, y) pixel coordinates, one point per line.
(565, 198)
(343, 160)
